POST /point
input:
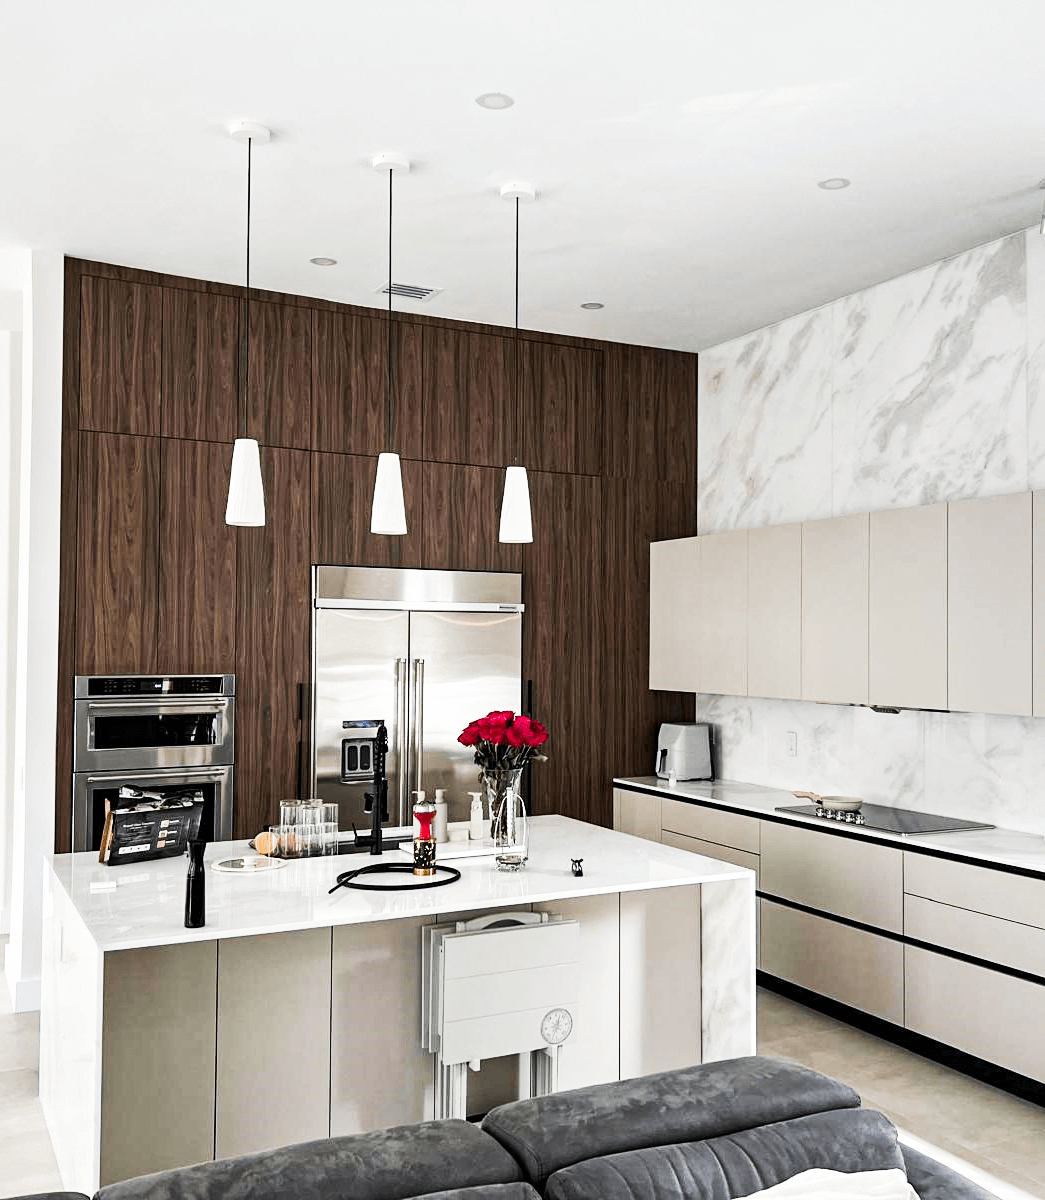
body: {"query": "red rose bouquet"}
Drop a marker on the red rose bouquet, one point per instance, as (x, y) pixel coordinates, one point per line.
(504, 741)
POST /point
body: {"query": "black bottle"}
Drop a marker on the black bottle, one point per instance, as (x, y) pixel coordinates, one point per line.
(196, 887)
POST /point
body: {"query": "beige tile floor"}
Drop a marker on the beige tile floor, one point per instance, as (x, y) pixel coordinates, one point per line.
(988, 1128)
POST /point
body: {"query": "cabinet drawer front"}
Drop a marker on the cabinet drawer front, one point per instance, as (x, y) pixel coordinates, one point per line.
(711, 824)
(636, 813)
(980, 1011)
(858, 968)
(996, 893)
(1021, 947)
(840, 875)
(739, 858)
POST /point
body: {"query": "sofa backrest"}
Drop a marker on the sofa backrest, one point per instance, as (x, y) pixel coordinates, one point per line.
(402, 1163)
(738, 1164)
(705, 1101)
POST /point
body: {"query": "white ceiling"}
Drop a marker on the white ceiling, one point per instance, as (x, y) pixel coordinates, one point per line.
(675, 144)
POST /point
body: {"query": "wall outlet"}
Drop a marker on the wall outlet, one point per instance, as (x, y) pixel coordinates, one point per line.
(792, 743)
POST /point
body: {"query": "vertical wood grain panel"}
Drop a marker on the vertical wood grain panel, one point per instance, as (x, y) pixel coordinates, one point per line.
(562, 408)
(272, 636)
(200, 365)
(342, 495)
(469, 406)
(279, 399)
(117, 554)
(120, 337)
(350, 385)
(462, 515)
(651, 413)
(196, 618)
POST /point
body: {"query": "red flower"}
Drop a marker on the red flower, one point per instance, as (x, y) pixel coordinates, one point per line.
(538, 735)
(470, 735)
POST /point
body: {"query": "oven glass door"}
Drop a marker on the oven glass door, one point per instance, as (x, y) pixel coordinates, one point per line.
(91, 791)
(143, 733)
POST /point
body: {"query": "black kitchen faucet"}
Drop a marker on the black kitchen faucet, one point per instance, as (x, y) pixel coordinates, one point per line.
(377, 800)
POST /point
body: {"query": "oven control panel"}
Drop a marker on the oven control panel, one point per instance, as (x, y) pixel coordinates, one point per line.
(153, 685)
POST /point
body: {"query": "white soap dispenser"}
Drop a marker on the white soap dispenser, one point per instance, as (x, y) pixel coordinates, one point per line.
(440, 827)
(476, 825)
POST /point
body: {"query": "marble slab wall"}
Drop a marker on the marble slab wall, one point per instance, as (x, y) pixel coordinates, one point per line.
(925, 388)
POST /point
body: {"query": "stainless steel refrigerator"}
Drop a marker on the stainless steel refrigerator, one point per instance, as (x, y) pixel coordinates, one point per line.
(424, 651)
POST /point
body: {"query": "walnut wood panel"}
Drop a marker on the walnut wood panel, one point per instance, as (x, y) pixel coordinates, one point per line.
(562, 408)
(462, 517)
(635, 513)
(120, 331)
(562, 647)
(200, 365)
(651, 413)
(117, 553)
(272, 638)
(196, 616)
(469, 398)
(342, 494)
(350, 385)
(279, 393)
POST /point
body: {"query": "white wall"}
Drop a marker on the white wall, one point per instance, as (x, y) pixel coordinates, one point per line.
(928, 387)
(39, 278)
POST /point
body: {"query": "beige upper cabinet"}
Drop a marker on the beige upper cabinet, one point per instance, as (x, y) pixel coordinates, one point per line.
(989, 605)
(907, 607)
(834, 610)
(1038, 618)
(774, 612)
(723, 613)
(674, 645)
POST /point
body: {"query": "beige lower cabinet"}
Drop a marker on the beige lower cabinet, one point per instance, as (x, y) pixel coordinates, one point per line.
(981, 889)
(861, 969)
(994, 1016)
(739, 858)
(636, 813)
(995, 940)
(710, 823)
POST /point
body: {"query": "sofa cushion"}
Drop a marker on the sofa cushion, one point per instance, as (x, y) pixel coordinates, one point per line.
(490, 1191)
(933, 1181)
(704, 1101)
(389, 1164)
(738, 1164)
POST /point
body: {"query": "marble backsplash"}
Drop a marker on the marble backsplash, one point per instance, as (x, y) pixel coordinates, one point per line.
(925, 388)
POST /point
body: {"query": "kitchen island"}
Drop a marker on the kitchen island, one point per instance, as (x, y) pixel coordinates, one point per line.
(296, 1014)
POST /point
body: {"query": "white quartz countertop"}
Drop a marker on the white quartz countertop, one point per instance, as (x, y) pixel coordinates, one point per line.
(148, 904)
(1001, 847)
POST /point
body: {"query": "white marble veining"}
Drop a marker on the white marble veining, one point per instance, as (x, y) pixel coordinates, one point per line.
(929, 387)
(727, 970)
(1008, 847)
(147, 906)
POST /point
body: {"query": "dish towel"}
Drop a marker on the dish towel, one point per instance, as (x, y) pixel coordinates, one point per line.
(820, 1184)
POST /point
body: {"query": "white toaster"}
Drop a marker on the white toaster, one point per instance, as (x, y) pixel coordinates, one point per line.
(685, 750)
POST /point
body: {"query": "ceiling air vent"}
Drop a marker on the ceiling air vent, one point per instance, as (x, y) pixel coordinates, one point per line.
(409, 291)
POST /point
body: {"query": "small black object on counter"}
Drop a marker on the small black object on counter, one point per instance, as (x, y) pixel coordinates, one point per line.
(578, 868)
(196, 887)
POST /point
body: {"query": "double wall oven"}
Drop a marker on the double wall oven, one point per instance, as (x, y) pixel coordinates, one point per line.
(152, 734)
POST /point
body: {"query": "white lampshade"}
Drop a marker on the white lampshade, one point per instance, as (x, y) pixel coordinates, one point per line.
(515, 507)
(389, 512)
(246, 504)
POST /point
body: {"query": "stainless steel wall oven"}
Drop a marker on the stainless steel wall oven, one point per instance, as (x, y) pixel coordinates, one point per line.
(158, 734)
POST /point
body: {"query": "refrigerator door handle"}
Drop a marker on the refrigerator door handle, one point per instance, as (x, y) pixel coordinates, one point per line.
(402, 766)
(417, 724)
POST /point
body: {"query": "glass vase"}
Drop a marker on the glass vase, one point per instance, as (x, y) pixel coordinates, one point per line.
(508, 827)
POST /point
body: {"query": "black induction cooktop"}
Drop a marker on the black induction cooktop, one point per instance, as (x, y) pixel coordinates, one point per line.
(903, 821)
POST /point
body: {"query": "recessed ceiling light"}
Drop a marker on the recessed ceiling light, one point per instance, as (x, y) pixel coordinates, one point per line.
(323, 262)
(833, 185)
(494, 100)
(592, 305)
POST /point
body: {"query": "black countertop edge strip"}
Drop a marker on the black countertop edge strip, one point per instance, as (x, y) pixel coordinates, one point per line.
(1001, 968)
(908, 843)
(958, 1060)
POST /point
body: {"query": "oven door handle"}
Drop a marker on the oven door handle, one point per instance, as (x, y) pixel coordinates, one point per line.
(160, 707)
(183, 774)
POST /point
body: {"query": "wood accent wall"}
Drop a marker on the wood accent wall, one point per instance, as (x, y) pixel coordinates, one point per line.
(152, 580)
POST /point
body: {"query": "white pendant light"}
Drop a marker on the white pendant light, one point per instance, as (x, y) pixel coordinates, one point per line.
(516, 523)
(388, 513)
(246, 503)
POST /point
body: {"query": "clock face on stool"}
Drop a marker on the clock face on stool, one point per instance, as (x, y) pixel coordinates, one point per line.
(556, 1026)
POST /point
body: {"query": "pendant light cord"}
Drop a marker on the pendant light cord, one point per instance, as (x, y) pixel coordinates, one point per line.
(246, 355)
(518, 415)
(388, 397)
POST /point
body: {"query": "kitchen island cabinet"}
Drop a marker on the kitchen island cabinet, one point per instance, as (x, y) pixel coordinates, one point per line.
(295, 1014)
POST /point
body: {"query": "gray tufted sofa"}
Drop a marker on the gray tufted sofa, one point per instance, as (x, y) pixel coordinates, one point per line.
(710, 1132)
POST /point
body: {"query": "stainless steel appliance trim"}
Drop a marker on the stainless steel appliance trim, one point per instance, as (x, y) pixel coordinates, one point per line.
(415, 588)
(174, 705)
(400, 733)
(418, 718)
(120, 758)
(228, 686)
